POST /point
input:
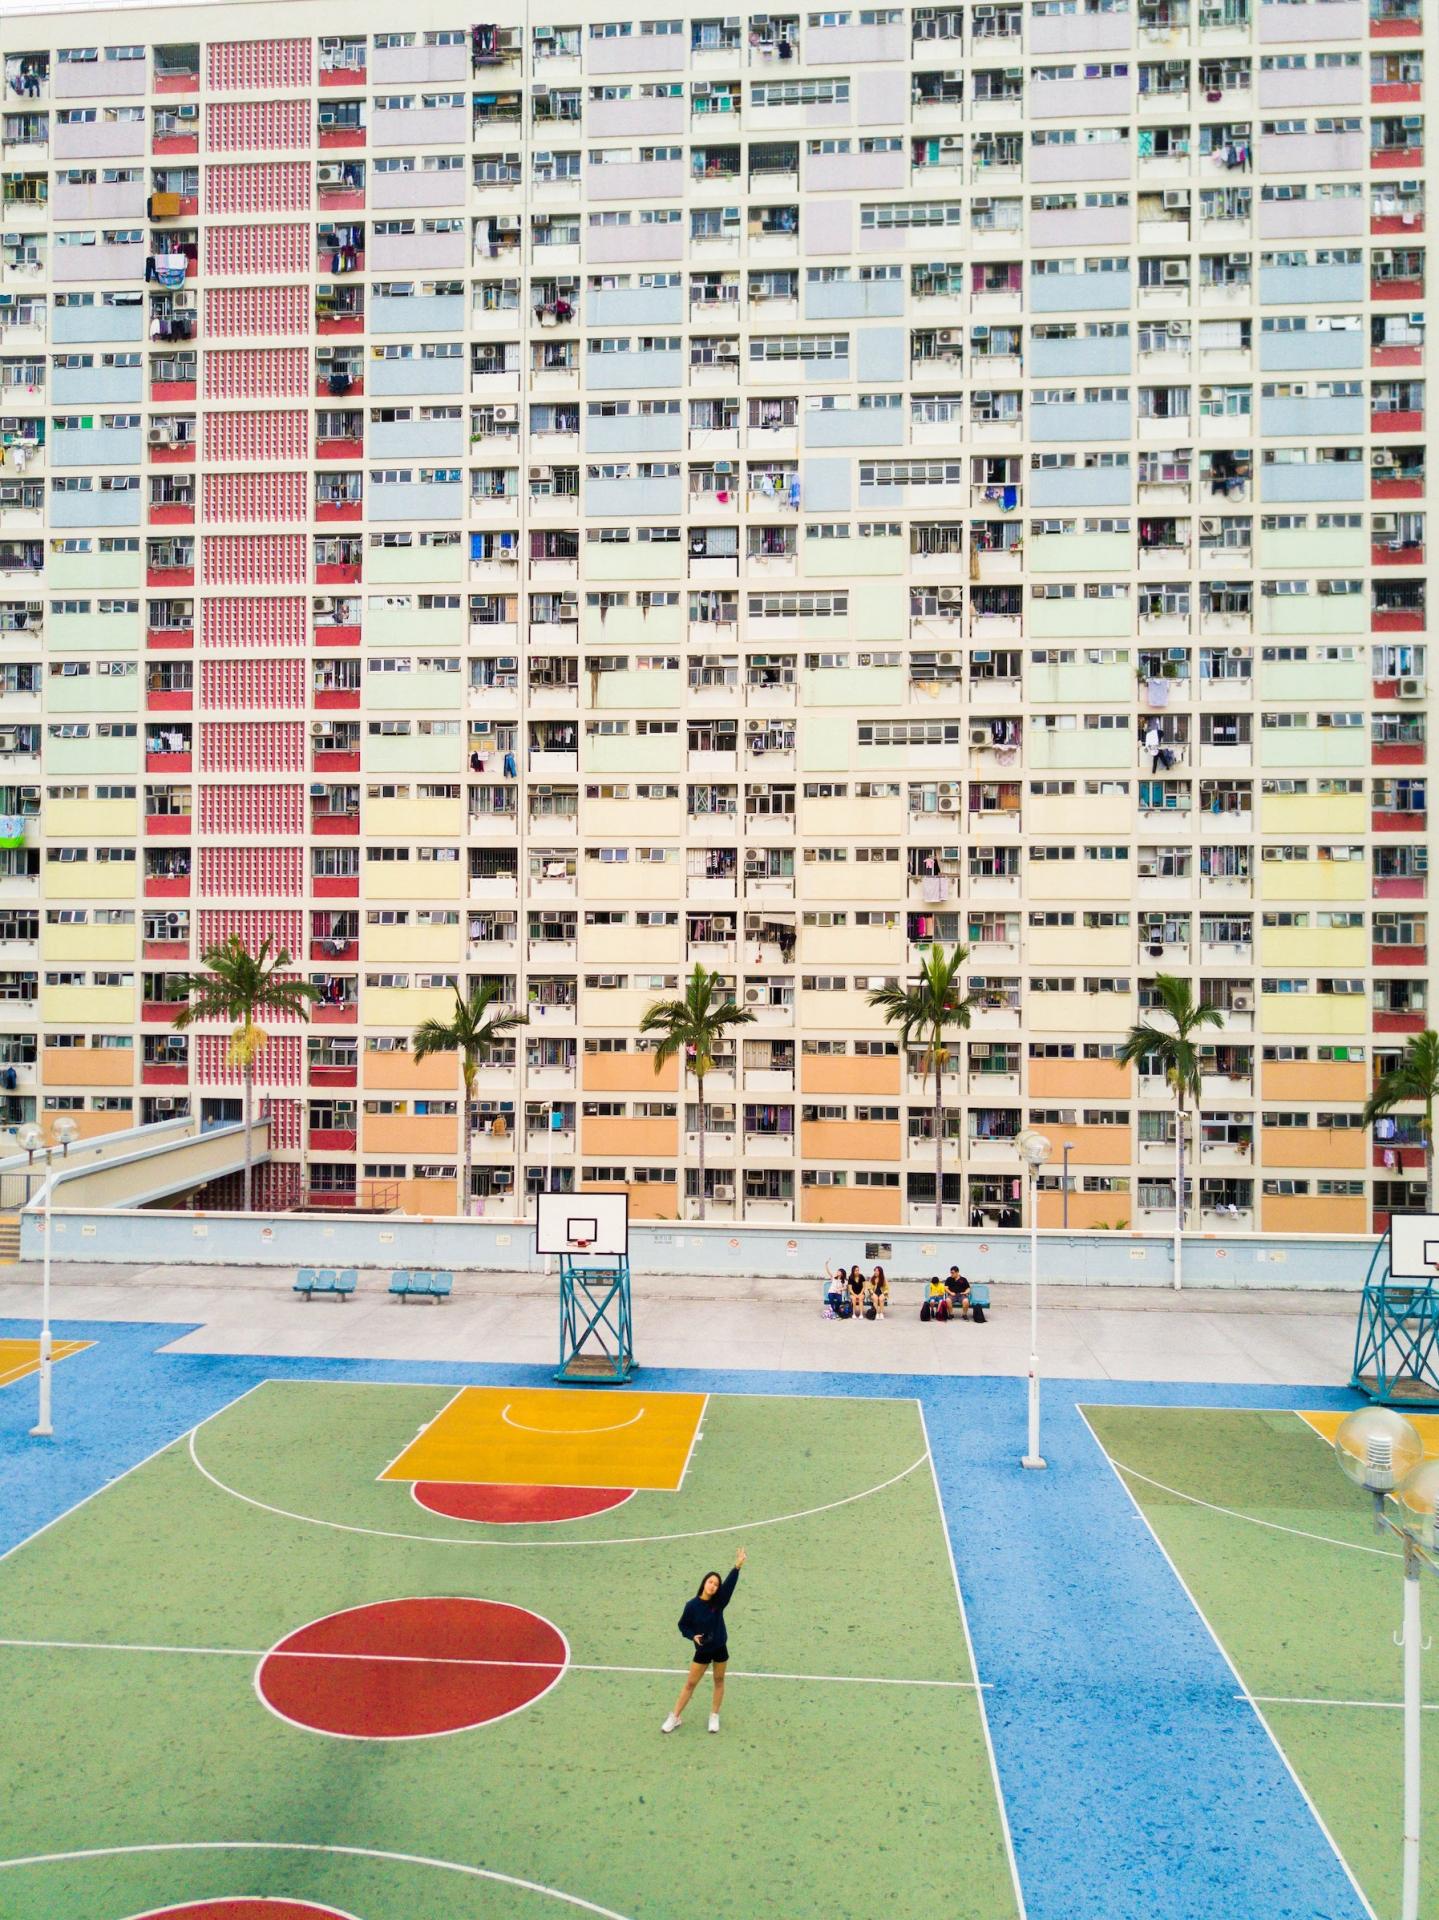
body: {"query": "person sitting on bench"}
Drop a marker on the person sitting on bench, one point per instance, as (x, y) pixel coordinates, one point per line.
(958, 1289)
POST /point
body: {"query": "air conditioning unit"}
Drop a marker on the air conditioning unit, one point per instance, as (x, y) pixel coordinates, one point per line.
(722, 1194)
(944, 659)
(979, 333)
(504, 416)
(1379, 457)
(753, 996)
(947, 144)
(331, 176)
(1241, 1003)
(1177, 328)
(506, 223)
(979, 736)
(1206, 393)
(948, 596)
(1411, 689)
(1172, 271)
(1177, 197)
(948, 804)
(1209, 527)
(949, 337)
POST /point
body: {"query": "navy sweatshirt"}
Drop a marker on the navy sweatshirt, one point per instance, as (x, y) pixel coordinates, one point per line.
(707, 1617)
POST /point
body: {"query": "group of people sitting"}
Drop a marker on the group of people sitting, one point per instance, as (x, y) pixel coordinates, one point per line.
(849, 1295)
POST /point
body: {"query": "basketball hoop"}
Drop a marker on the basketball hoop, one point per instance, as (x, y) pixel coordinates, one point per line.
(583, 1246)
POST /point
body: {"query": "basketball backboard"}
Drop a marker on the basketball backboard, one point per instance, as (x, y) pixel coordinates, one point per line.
(597, 1224)
(1414, 1246)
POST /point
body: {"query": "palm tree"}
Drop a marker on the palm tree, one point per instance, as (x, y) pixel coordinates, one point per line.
(925, 1011)
(237, 986)
(471, 1031)
(1178, 1055)
(694, 1026)
(1415, 1078)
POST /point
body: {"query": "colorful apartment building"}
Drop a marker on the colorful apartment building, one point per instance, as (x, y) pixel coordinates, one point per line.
(556, 499)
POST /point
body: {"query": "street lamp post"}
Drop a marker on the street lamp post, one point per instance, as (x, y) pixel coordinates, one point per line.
(1382, 1452)
(33, 1141)
(1064, 1191)
(1034, 1150)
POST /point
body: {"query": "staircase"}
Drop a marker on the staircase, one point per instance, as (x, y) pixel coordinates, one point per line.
(9, 1239)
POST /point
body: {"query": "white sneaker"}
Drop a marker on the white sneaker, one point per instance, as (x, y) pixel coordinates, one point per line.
(671, 1723)
(714, 1723)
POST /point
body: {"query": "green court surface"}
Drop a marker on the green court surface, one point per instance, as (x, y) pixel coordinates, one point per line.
(1279, 1554)
(852, 1777)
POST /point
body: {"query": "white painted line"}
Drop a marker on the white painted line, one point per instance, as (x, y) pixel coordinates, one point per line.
(423, 1427)
(1232, 1513)
(695, 1437)
(559, 1520)
(1243, 1694)
(456, 1540)
(569, 1433)
(302, 1846)
(441, 1660)
(1293, 1700)
(979, 1686)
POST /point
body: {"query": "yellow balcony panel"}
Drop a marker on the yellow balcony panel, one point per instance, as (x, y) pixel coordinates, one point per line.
(633, 820)
(1346, 1013)
(1079, 1012)
(649, 1199)
(1074, 554)
(632, 627)
(628, 1073)
(1080, 946)
(1325, 749)
(1102, 1080)
(621, 1137)
(1095, 748)
(627, 755)
(1086, 1209)
(833, 1141)
(425, 1196)
(630, 881)
(87, 1006)
(1093, 815)
(1060, 683)
(90, 880)
(1309, 549)
(1313, 1147)
(620, 1009)
(639, 946)
(88, 944)
(648, 560)
(414, 819)
(841, 817)
(1080, 879)
(88, 1066)
(1304, 947)
(415, 946)
(629, 690)
(1313, 813)
(1313, 880)
(428, 881)
(90, 1126)
(1080, 619)
(1313, 1082)
(840, 1013)
(864, 687)
(1312, 1213)
(402, 1073)
(91, 819)
(1092, 1146)
(851, 1206)
(851, 559)
(845, 880)
(420, 1135)
(404, 1007)
(821, 1073)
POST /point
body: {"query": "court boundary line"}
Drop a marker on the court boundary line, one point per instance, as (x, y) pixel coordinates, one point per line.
(440, 1733)
(1234, 1513)
(310, 1846)
(423, 1428)
(453, 1540)
(695, 1433)
(440, 1660)
(979, 1686)
(1300, 1700)
(1244, 1693)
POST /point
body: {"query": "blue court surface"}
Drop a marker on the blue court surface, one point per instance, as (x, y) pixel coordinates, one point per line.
(1138, 1780)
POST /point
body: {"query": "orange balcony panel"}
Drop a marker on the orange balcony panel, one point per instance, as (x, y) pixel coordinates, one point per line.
(851, 1206)
(1085, 1209)
(649, 1200)
(1396, 489)
(167, 886)
(1321, 1082)
(1399, 1023)
(628, 1073)
(410, 1133)
(837, 1140)
(622, 1139)
(402, 1073)
(427, 1196)
(836, 1073)
(1091, 1146)
(337, 763)
(88, 1066)
(1084, 1079)
(340, 449)
(168, 762)
(1311, 1213)
(92, 1125)
(153, 1074)
(1313, 1147)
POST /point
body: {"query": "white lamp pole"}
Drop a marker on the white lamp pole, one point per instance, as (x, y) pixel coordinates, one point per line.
(1382, 1452)
(1034, 1150)
(32, 1140)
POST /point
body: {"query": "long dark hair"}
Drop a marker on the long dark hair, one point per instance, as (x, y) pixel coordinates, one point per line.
(713, 1574)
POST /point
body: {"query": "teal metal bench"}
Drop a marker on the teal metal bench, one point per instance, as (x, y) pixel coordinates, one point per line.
(978, 1296)
(339, 1281)
(421, 1284)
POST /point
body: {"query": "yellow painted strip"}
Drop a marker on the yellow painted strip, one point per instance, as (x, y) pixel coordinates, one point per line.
(20, 1358)
(1326, 1425)
(556, 1437)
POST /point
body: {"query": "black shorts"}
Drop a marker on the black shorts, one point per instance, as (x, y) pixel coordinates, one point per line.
(702, 1656)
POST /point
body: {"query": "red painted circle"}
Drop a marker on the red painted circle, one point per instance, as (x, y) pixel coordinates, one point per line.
(407, 1669)
(245, 1910)
(513, 1506)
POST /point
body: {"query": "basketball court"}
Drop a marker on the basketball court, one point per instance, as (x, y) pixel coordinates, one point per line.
(21, 1358)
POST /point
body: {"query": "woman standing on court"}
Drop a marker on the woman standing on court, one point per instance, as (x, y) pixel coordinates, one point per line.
(703, 1622)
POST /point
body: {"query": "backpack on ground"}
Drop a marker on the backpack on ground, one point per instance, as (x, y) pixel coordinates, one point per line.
(925, 1310)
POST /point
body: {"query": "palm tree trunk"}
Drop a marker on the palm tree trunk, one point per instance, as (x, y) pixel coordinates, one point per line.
(1178, 1188)
(938, 1141)
(700, 1083)
(467, 1073)
(249, 1086)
